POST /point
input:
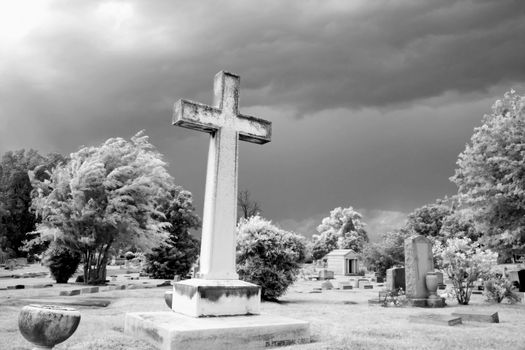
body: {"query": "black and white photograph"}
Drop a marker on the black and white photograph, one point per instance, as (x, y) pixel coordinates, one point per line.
(241, 174)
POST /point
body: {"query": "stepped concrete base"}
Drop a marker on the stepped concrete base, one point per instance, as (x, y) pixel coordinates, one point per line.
(173, 331)
(199, 297)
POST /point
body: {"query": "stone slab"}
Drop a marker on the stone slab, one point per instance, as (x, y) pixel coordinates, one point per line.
(443, 320)
(347, 287)
(477, 316)
(89, 290)
(70, 302)
(174, 331)
(368, 286)
(70, 292)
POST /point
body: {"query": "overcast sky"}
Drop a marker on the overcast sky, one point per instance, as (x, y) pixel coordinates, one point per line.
(371, 101)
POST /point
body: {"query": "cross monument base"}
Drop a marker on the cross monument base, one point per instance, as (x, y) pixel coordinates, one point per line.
(173, 331)
(200, 297)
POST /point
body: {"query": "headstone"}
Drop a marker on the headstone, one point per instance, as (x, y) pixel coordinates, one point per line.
(437, 319)
(477, 316)
(395, 278)
(218, 291)
(521, 276)
(326, 274)
(418, 261)
(327, 285)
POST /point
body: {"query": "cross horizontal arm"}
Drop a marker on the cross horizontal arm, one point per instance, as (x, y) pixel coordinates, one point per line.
(197, 116)
(253, 129)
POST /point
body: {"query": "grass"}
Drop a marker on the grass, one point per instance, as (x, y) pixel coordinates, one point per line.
(339, 320)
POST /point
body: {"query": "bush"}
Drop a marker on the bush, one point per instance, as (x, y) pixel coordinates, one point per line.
(62, 262)
(268, 256)
(498, 288)
(180, 251)
(129, 255)
(465, 262)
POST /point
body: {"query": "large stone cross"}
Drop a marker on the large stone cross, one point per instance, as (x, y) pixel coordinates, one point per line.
(226, 126)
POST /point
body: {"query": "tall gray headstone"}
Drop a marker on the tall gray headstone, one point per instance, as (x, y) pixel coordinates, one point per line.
(418, 261)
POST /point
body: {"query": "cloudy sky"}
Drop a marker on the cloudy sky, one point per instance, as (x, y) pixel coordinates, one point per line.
(371, 101)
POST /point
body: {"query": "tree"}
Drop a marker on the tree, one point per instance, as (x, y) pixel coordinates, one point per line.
(460, 224)
(268, 256)
(465, 262)
(247, 207)
(105, 197)
(428, 220)
(491, 174)
(181, 250)
(16, 219)
(343, 229)
(387, 253)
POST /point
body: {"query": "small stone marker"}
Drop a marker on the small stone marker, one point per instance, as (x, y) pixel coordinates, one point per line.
(326, 275)
(70, 292)
(395, 278)
(327, 285)
(368, 286)
(362, 282)
(477, 317)
(443, 320)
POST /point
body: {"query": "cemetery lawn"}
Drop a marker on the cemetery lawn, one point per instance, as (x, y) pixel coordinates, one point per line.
(339, 320)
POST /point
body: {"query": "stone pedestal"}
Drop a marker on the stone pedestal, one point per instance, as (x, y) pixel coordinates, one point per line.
(172, 331)
(199, 297)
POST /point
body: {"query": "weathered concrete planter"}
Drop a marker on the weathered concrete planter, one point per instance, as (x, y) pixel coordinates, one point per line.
(47, 325)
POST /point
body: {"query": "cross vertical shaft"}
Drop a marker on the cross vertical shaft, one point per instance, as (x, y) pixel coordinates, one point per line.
(226, 126)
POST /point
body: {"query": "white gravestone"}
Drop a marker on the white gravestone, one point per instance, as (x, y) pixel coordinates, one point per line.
(217, 291)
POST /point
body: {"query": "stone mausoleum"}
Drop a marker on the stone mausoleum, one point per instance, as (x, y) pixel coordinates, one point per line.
(342, 262)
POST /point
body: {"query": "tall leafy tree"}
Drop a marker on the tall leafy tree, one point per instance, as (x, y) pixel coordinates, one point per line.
(181, 250)
(386, 253)
(343, 229)
(105, 197)
(490, 174)
(428, 220)
(16, 219)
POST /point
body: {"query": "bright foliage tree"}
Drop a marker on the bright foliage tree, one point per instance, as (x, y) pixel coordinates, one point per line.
(428, 221)
(343, 229)
(181, 250)
(465, 262)
(491, 174)
(105, 197)
(268, 256)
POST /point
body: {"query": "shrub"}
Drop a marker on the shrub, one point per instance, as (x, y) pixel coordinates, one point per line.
(129, 255)
(62, 262)
(180, 251)
(498, 288)
(268, 256)
(465, 262)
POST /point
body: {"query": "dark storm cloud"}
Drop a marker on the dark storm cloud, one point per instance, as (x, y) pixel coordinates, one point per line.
(392, 90)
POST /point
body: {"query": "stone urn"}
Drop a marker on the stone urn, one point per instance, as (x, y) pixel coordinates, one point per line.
(47, 325)
(168, 298)
(432, 281)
